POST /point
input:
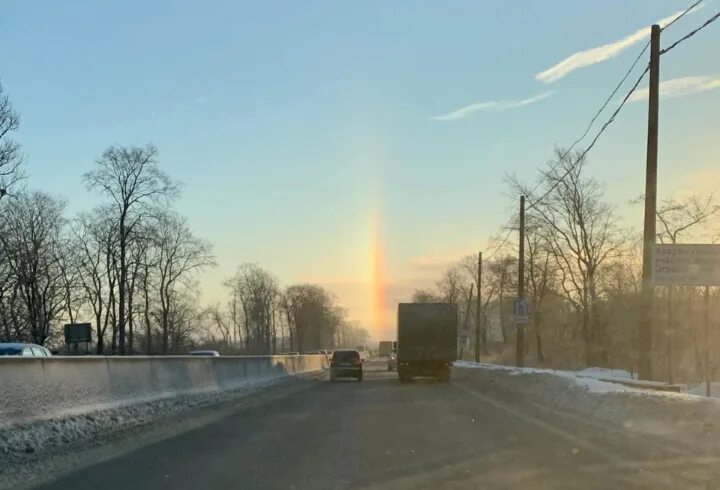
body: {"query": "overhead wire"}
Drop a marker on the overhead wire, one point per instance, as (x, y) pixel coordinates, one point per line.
(691, 33)
(579, 159)
(582, 155)
(597, 114)
(685, 12)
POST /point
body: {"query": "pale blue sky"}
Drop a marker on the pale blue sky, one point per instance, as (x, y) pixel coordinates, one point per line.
(292, 124)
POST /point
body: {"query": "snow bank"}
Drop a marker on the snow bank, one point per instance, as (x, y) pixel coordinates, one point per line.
(596, 380)
(681, 417)
(52, 404)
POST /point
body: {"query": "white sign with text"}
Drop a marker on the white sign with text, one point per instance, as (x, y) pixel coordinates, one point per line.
(686, 264)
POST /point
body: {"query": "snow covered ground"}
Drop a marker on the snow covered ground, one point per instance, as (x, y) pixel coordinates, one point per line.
(590, 378)
(23, 444)
(683, 418)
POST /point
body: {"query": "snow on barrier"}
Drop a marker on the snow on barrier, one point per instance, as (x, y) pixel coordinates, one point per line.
(36, 389)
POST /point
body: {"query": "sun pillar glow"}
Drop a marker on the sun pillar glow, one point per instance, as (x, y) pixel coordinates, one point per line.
(378, 281)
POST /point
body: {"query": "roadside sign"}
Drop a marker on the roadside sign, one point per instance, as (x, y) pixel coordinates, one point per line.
(686, 264)
(520, 310)
(76, 333)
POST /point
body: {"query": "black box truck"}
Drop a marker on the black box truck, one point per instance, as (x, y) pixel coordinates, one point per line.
(427, 340)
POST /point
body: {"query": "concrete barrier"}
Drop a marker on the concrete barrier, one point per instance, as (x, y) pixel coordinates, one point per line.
(36, 389)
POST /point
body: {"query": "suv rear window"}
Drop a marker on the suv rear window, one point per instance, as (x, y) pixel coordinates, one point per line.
(341, 356)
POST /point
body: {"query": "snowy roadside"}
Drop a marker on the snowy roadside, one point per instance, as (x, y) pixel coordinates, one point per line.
(32, 445)
(681, 417)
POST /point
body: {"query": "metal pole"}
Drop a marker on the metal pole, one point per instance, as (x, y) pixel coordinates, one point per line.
(520, 338)
(645, 370)
(707, 341)
(478, 308)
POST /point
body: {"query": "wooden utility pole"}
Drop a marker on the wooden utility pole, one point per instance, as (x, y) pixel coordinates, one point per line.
(478, 308)
(645, 370)
(670, 333)
(465, 329)
(520, 327)
(707, 341)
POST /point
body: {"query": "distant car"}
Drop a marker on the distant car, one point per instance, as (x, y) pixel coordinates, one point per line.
(346, 363)
(392, 361)
(206, 353)
(20, 349)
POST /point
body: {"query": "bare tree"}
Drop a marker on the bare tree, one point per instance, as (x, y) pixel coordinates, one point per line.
(582, 235)
(312, 316)
(11, 161)
(425, 296)
(503, 280)
(541, 274)
(179, 256)
(30, 234)
(95, 237)
(68, 258)
(680, 217)
(257, 292)
(220, 321)
(488, 289)
(131, 178)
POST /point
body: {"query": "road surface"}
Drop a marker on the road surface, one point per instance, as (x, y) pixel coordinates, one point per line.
(380, 434)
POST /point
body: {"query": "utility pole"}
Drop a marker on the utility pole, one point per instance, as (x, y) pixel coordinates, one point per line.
(670, 333)
(520, 337)
(478, 308)
(645, 370)
(707, 341)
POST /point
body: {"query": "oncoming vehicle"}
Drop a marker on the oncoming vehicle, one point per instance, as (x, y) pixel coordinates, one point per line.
(206, 353)
(346, 363)
(19, 349)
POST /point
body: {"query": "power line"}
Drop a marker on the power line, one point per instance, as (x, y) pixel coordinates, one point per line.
(612, 118)
(691, 33)
(597, 114)
(582, 155)
(687, 10)
(597, 136)
(510, 228)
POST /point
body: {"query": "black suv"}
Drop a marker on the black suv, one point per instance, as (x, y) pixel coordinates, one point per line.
(346, 363)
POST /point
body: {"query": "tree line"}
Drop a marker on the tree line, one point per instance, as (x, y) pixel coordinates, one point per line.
(582, 280)
(130, 267)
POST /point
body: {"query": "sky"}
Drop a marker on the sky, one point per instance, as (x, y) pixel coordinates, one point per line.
(359, 145)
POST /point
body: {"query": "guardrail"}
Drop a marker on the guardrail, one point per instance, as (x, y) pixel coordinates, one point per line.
(45, 388)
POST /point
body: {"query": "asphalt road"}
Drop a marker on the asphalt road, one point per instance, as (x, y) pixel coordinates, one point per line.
(381, 434)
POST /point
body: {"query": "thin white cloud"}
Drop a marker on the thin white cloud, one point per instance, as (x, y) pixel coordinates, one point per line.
(679, 87)
(492, 106)
(599, 54)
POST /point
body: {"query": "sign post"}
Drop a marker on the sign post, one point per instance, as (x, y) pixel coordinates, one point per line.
(520, 311)
(695, 264)
(77, 333)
